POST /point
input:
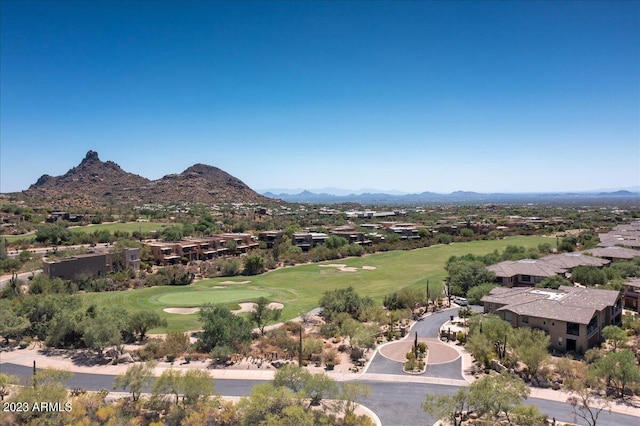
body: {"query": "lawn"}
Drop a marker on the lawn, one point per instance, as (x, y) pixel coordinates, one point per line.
(300, 287)
(122, 227)
(111, 227)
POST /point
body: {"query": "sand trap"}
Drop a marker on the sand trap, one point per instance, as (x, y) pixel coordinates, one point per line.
(275, 305)
(235, 282)
(181, 311)
(344, 268)
(249, 307)
(218, 286)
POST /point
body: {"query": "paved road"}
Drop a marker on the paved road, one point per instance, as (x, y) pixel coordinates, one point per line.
(397, 403)
(22, 277)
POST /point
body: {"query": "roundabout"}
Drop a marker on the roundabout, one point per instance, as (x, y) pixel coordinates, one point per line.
(439, 353)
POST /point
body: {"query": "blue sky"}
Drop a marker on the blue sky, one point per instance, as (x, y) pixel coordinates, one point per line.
(414, 96)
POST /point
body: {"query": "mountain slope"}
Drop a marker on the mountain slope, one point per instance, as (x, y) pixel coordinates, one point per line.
(94, 183)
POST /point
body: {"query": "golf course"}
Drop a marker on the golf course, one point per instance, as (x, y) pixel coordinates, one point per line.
(300, 287)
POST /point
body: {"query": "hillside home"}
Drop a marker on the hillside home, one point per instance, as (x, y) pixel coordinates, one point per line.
(573, 317)
(613, 253)
(627, 235)
(270, 237)
(632, 294)
(525, 272)
(94, 265)
(206, 248)
(308, 240)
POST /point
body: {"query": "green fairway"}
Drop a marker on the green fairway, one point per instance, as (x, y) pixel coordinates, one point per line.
(200, 295)
(129, 227)
(144, 227)
(300, 287)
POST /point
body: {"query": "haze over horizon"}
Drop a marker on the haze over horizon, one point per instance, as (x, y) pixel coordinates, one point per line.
(410, 96)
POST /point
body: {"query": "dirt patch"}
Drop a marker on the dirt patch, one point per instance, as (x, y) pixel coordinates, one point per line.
(249, 307)
(244, 307)
(235, 282)
(181, 311)
(344, 268)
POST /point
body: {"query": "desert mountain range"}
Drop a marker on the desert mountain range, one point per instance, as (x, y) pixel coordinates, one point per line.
(95, 182)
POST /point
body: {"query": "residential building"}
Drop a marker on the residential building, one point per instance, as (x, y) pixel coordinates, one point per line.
(529, 272)
(94, 265)
(205, 248)
(525, 272)
(270, 238)
(573, 317)
(569, 261)
(308, 240)
(613, 253)
(632, 294)
(627, 235)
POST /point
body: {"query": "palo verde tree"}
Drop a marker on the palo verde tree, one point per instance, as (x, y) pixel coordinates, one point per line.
(262, 314)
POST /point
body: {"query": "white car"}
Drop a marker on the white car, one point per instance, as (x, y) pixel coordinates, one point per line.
(461, 301)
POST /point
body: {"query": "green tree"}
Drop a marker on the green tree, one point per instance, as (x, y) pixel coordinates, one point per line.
(292, 377)
(264, 401)
(254, 264)
(172, 233)
(262, 314)
(491, 395)
(447, 407)
(197, 386)
(222, 328)
(464, 274)
(140, 322)
(530, 346)
(344, 300)
(615, 335)
(12, 325)
(5, 382)
(588, 275)
(619, 370)
(319, 386)
(100, 332)
(553, 282)
(353, 393)
(475, 294)
(50, 387)
(169, 383)
(334, 242)
(136, 378)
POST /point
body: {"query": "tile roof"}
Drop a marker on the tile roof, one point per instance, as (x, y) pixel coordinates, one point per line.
(533, 267)
(613, 252)
(572, 260)
(570, 304)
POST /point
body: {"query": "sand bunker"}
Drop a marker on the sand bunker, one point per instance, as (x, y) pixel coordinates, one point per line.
(249, 307)
(344, 268)
(181, 311)
(235, 282)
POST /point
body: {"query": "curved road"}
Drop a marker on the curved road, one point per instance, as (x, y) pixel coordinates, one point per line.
(395, 403)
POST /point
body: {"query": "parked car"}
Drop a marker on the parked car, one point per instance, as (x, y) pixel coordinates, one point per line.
(462, 301)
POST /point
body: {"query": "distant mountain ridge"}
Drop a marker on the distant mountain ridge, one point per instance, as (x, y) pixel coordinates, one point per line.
(95, 182)
(455, 197)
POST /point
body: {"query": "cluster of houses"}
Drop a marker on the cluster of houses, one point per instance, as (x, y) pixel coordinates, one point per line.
(573, 317)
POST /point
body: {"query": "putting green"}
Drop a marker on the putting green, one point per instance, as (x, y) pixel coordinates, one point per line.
(201, 296)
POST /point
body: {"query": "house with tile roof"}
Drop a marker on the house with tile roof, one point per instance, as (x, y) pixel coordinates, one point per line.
(525, 272)
(573, 317)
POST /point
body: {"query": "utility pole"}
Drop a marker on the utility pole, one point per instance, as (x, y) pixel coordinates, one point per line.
(34, 374)
(300, 349)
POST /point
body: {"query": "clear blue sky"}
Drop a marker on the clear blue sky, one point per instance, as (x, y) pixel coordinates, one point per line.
(414, 96)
